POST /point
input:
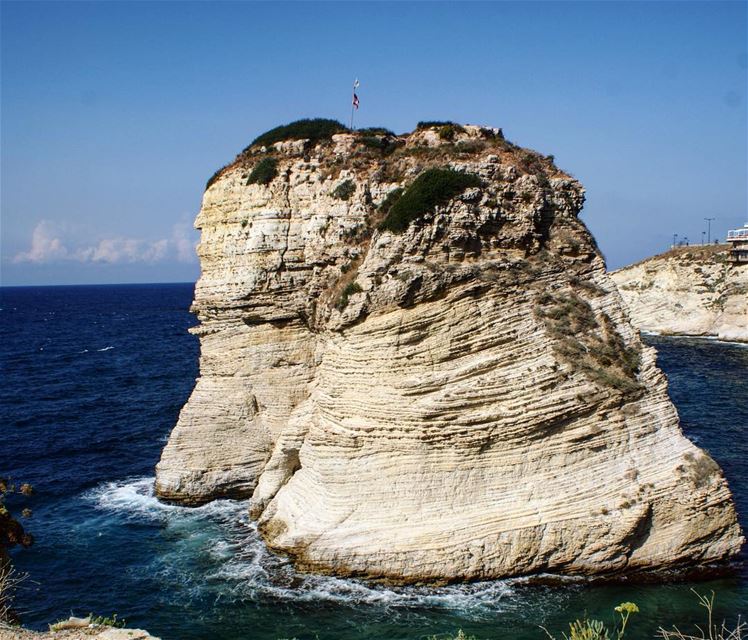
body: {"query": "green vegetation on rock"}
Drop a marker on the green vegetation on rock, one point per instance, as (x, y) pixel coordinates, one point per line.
(375, 131)
(390, 199)
(12, 533)
(264, 171)
(344, 190)
(429, 190)
(589, 344)
(350, 289)
(587, 629)
(314, 129)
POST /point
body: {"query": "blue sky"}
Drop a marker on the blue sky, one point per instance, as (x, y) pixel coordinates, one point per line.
(115, 114)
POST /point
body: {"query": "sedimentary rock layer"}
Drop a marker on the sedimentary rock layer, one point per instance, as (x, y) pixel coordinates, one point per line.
(462, 400)
(692, 291)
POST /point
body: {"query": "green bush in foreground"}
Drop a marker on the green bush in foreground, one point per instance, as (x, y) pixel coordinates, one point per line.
(264, 171)
(432, 188)
(314, 129)
(587, 629)
(711, 631)
(12, 533)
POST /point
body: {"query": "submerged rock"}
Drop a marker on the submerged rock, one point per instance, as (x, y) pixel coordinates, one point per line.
(438, 387)
(694, 291)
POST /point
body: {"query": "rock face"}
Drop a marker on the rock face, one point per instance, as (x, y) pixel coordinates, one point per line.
(692, 291)
(462, 400)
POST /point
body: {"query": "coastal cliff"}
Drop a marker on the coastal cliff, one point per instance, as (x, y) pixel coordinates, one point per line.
(693, 291)
(414, 363)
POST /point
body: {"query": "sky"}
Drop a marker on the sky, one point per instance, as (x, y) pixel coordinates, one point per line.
(114, 114)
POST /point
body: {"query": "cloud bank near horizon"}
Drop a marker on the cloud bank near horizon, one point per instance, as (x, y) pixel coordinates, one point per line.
(51, 243)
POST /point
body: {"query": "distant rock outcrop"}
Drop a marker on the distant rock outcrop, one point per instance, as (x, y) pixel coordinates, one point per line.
(693, 291)
(415, 364)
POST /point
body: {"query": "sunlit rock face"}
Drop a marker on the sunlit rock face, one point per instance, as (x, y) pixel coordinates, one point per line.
(693, 291)
(465, 399)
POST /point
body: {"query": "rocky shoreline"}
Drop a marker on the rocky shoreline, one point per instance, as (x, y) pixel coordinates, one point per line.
(688, 291)
(74, 629)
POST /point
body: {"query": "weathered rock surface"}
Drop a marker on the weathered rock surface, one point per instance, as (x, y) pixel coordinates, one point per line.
(477, 405)
(691, 291)
(75, 629)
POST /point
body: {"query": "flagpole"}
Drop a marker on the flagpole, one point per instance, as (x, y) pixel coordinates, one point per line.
(351, 127)
(353, 93)
(354, 100)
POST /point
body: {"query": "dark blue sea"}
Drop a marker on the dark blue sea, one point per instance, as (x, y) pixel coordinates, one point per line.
(91, 384)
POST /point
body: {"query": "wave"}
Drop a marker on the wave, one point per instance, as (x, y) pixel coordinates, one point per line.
(218, 551)
(135, 498)
(105, 349)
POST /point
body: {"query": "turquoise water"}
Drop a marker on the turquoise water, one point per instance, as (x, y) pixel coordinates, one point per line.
(93, 379)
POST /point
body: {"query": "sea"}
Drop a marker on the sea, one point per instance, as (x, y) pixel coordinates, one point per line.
(92, 381)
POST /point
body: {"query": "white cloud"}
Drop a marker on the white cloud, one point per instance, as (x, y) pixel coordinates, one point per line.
(51, 244)
(45, 246)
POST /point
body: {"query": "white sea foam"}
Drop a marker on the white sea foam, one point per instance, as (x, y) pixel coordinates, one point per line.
(105, 349)
(238, 566)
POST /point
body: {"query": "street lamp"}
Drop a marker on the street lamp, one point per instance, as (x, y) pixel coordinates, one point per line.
(709, 227)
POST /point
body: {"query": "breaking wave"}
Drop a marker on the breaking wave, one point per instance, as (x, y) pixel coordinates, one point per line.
(236, 565)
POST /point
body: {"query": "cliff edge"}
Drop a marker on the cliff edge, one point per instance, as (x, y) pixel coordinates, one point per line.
(694, 291)
(415, 364)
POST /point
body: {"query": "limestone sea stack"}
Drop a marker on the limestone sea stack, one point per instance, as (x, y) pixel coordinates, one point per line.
(415, 365)
(695, 291)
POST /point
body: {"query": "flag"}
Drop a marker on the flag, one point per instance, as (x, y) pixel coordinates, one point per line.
(355, 101)
(356, 84)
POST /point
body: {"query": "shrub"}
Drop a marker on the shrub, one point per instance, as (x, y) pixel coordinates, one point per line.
(350, 289)
(390, 200)
(703, 469)
(432, 188)
(213, 178)
(447, 132)
(385, 145)
(460, 636)
(375, 131)
(587, 629)
(710, 631)
(430, 124)
(12, 533)
(470, 146)
(344, 190)
(264, 171)
(590, 346)
(314, 129)
(107, 621)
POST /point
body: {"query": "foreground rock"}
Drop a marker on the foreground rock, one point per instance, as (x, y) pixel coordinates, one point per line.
(75, 629)
(461, 400)
(692, 291)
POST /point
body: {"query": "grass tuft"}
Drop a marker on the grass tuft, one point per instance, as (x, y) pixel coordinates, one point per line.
(344, 190)
(350, 289)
